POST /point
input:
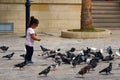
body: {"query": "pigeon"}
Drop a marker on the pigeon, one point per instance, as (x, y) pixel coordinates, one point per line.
(20, 65)
(81, 52)
(99, 55)
(74, 62)
(88, 60)
(94, 62)
(80, 58)
(83, 70)
(57, 50)
(51, 55)
(107, 69)
(58, 60)
(4, 48)
(88, 67)
(93, 48)
(47, 51)
(45, 71)
(109, 50)
(108, 58)
(22, 55)
(43, 48)
(9, 56)
(70, 53)
(64, 58)
(54, 66)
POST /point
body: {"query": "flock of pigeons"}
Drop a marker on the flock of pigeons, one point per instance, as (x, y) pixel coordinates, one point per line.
(89, 56)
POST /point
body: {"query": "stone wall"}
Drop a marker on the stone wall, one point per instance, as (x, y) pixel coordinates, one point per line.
(53, 14)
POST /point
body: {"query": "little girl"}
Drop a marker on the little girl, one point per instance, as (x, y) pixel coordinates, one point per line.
(29, 40)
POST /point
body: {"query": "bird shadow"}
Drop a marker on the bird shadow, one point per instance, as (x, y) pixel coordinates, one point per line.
(79, 77)
(42, 76)
(108, 74)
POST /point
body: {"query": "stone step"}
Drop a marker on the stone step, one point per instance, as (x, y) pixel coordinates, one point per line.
(104, 3)
(107, 24)
(106, 8)
(106, 20)
(105, 12)
(103, 16)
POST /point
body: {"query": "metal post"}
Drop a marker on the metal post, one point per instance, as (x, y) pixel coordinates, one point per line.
(27, 4)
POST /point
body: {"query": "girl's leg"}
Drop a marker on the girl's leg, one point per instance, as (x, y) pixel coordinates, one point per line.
(29, 53)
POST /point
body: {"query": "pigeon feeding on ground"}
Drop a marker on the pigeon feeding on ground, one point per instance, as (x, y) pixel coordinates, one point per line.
(107, 69)
(48, 52)
(45, 50)
(84, 70)
(20, 65)
(64, 58)
(74, 62)
(9, 56)
(45, 71)
(70, 53)
(4, 48)
(108, 58)
(54, 66)
(94, 62)
(99, 54)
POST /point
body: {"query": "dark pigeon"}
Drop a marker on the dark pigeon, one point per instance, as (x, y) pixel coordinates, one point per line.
(109, 50)
(48, 52)
(20, 65)
(99, 55)
(70, 53)
(4, 48)
(45, 71)
(107, 69)
(108, 58)
(64, 58)
(94, 62)
(9, 56)
(43, 48)
(23, 55)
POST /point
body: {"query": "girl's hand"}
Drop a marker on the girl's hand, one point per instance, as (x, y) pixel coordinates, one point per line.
(35, 34)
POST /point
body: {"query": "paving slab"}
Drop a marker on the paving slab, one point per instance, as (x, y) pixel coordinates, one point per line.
(53, 40)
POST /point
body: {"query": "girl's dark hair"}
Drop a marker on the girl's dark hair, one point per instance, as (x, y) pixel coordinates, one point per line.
(33, 21)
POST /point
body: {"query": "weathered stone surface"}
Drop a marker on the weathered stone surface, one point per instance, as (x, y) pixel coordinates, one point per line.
(85, 35)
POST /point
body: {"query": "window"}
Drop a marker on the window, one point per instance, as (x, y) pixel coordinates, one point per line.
(6, 27)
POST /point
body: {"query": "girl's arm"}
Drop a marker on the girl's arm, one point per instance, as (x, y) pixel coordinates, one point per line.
(33, 36)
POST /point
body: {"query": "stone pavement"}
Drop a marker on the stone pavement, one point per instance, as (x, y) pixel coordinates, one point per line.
(53, 40)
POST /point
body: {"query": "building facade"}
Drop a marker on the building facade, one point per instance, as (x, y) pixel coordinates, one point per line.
(54, 15)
